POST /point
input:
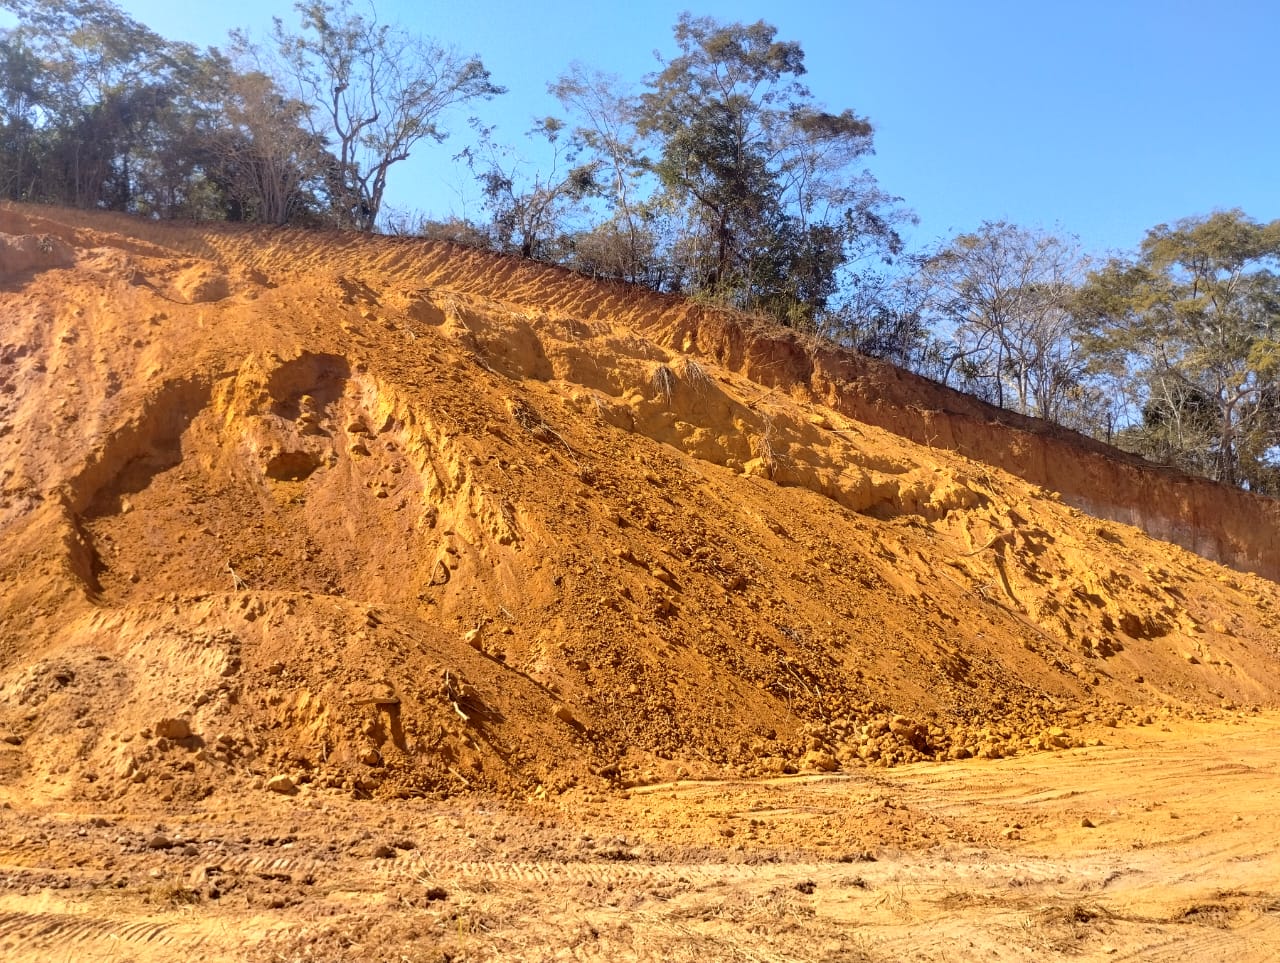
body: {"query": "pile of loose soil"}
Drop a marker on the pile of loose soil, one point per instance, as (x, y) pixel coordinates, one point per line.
(292, 511)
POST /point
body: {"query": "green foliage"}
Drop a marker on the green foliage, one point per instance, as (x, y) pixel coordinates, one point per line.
(98, 111)
(1196, 318)
(88, 92)
(101, 112)
(763, 176)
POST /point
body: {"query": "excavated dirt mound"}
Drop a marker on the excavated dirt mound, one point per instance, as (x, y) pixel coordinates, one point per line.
(295, 510)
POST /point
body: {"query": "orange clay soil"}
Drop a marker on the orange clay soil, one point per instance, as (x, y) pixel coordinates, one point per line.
(303, 526)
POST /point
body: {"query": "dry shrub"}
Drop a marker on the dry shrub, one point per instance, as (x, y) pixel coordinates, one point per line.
(664, 382)
(696, 376)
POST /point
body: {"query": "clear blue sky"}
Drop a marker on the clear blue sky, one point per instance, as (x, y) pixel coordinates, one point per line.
(1099, 117)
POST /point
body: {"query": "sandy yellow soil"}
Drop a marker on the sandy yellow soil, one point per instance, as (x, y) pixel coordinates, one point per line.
(362, 598)
(1161, 846)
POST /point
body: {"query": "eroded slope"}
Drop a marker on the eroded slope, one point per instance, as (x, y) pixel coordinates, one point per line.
(402, 518)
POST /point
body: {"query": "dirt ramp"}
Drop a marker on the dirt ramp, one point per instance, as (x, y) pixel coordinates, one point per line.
(1227, 525)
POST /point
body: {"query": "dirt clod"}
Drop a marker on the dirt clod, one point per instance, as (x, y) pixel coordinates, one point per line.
(171, 728)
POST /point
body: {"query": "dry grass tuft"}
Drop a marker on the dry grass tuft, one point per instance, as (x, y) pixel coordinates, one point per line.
(765, 451)
(1063, 929)
(664, 382)
(696, 376)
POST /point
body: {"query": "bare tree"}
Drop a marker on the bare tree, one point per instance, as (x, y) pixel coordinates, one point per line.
(528, 212)
(1006, 293)
(622, 246)
(377, 90)
(267, 152)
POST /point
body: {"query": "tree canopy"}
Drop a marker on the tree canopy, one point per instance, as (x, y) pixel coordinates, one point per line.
(766, 177)
(377, 90)
(1006, 292)
(1196, 316)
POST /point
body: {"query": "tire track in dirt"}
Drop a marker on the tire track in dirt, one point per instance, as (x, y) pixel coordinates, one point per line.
(49, 934)
(972, 870)
(418, 866)
(1177, 941)
(114, 933)
(265, 865)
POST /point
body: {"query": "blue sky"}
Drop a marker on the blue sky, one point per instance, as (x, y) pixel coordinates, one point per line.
(1101, 119)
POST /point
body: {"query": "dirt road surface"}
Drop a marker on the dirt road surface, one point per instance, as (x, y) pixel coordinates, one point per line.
(1160, 844)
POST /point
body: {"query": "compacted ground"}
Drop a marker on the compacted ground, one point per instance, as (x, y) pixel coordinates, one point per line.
(1160, 844)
